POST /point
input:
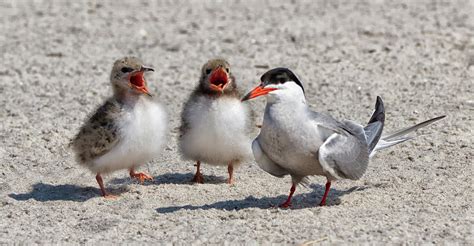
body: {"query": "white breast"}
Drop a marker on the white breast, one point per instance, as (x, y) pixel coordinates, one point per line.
(290, 139)
(143, 133)
(217, 131)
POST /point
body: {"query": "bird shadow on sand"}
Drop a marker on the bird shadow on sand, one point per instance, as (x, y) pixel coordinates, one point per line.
(299, 201)
(173, 178)
(47, 192)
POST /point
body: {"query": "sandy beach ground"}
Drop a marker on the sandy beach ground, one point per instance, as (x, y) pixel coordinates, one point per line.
(417, 55)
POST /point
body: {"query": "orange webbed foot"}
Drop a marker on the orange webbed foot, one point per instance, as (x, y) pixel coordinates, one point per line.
(140, 176)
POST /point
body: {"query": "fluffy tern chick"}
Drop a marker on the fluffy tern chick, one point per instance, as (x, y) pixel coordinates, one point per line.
(127, 131)
(214, 122)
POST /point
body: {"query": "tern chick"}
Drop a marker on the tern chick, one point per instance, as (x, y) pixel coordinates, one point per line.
(127, 131)
(214, 122)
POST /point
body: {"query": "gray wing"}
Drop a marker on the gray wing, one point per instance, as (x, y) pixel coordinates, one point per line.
(265, 163)
(99, 134)
(325, 119)
(345, 153)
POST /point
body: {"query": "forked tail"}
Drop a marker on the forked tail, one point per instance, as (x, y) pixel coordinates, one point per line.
(401, 136)
(374, 128)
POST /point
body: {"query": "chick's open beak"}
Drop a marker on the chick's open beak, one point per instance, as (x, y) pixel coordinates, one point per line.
(137, 80)
(218, 79)
(257, 91)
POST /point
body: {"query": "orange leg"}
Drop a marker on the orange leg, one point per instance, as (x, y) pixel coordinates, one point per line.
(288, 200)
(326, 192)
(198, 176)
(102, 188)
(230, 170)
(140, 176)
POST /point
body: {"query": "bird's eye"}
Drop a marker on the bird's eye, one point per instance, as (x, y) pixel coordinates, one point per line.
(208, 71)
(126, 69)
(228, 70)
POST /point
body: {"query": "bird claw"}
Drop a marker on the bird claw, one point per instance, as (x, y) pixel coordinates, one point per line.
(141, 177)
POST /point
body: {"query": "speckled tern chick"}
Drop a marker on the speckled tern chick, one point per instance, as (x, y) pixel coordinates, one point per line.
(297, 141)
(214, 122)
(127, 131)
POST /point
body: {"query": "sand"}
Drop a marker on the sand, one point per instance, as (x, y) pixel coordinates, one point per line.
(417, 55)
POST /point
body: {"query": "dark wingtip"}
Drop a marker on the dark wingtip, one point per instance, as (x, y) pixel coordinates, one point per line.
(379, 114)
(379, 102)
(374, 128)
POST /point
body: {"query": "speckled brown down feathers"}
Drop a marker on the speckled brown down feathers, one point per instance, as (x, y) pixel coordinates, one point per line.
(99, 134)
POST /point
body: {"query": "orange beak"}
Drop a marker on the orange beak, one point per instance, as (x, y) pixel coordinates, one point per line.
(218, 80)
(257, 91)
(137, 82)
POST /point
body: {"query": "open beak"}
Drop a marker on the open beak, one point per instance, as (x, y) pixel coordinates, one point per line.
(218, 80)
(137, 80)
(257, 91)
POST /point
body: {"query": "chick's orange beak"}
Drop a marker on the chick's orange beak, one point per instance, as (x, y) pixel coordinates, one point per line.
(137, 82)
(257, 91)
(218, 80)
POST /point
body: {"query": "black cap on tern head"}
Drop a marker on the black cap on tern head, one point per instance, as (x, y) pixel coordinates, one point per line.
(280, 75)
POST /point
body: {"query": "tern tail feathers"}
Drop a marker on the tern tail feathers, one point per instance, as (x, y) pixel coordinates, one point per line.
(401, 136)
(373, 130)
(407, 130)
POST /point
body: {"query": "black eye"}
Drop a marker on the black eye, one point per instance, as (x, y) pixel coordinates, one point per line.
(126, 69)
(228, 70)
(208, 71)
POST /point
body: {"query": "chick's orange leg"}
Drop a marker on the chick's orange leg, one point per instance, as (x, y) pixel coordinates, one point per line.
(198, 176)
(102, 188)
(230, 169)
(288, 200)
(140, 176)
